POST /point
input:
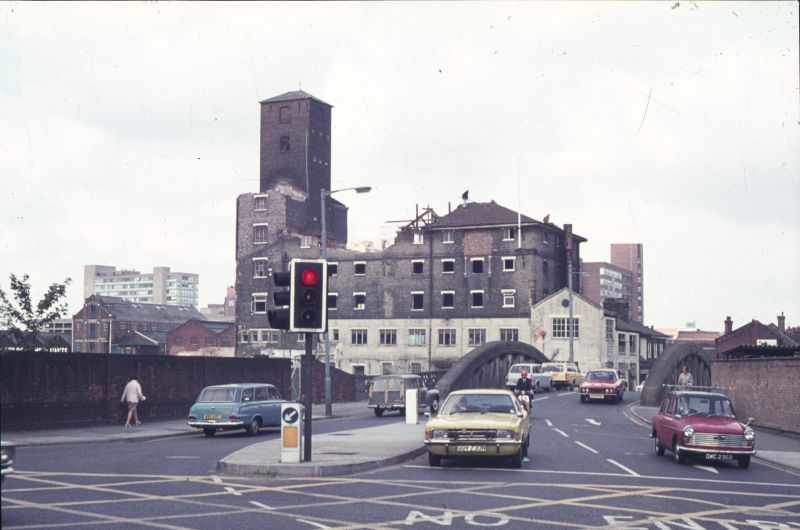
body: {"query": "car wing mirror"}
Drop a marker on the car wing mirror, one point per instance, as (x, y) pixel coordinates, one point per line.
(749, 421)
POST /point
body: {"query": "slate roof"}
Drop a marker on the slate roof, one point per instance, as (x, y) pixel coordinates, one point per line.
(635, 327)
(294, 96)
(213, 326)
(135, 311)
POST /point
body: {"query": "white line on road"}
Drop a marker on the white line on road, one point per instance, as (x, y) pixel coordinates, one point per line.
(562, 433)
(312, 523)
(567, 394)
(548, 423)
(264, 506)
(540, 399)
(232, 491)
(625, 469)
(586, 447)
(216, 479)
(708, 468)
(593, 421)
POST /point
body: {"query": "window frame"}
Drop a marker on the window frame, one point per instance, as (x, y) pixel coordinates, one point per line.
(504, 261)
(257, 298)
(505, 294)
(452, 301)
(355, 268)
(363, 305)
(387, 336)
(356, 335)
(256, 227)
(473, 262)
(414, 295)
(472, 294)
(414, 263)
(448, 237)
(452, 262)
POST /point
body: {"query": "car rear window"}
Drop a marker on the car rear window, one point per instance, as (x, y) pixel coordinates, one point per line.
(515, 369)
(217, 395)
(552, 368)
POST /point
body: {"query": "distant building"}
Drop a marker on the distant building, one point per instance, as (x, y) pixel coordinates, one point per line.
(43, 341)
(754, 333)
(630, 256)
(608, 285)
(202, 337)
(162, 286)
(225, 311)
(108, 324)
(61, 327)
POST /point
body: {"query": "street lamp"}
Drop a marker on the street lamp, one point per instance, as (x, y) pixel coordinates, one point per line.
(323, 195)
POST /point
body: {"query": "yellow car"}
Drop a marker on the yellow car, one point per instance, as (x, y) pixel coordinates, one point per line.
(479, 422)
(564, 374)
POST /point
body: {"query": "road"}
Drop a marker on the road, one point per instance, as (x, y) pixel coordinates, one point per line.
(591, 465)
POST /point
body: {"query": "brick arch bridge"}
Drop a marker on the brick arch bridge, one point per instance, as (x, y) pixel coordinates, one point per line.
(486, 366)
(668, 366)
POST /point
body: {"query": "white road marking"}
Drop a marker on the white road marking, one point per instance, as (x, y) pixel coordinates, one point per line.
(593, 421)
(216, 479)
(548, 423)
(586, 447)
(181, 457)
(264, 506)
(540, 399)
(562, 433)
(707, 468)
(232, 491)
(312, 523)
(626, 469)
(567, 394)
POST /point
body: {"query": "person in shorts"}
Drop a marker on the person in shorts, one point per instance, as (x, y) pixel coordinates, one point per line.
(132, 396)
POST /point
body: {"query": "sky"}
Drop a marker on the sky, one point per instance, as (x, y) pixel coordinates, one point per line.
(127, 130)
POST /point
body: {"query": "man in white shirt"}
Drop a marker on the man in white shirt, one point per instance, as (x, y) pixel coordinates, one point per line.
(685, 379)
(132, 395)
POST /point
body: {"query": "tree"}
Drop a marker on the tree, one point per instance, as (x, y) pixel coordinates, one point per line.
(20, 317)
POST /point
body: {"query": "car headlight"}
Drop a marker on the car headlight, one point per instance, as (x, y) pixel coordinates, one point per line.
(749, 435)
(505, 433)
(584, 390)
(688, 431)
(439, 433)
(609, 390)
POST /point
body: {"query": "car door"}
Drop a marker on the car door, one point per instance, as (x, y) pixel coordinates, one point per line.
(261, 403)
(247, 407)
(660, 420)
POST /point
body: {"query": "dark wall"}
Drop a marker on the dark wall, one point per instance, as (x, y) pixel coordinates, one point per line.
(46, 390)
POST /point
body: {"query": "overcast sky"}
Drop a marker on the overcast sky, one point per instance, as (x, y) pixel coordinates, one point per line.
(128, 130)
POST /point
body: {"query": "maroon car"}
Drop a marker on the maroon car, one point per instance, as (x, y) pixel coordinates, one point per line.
(702, 424)
(602, 385)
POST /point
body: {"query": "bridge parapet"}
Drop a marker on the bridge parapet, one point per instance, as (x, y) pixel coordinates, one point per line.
(668, 366)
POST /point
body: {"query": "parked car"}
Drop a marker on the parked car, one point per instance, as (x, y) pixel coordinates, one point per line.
(247, 406)
(388, 392)
(564, 374)
(479, 422)
(602, 385)
(540, 380)
(702, 424)
(7, 451)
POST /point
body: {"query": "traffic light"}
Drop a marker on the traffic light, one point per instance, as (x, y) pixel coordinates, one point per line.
(281, 318)
(309, 305)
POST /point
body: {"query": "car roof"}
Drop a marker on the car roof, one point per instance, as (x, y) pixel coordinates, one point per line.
(498, 391)
(402, 376)
(238, 385)
(601, 370)
(698, 393)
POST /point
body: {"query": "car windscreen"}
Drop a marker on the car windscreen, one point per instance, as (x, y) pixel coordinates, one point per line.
(552, 368)
(515, 369)
(601, 376)
(705, 406)
(390, 383)
(217, 395)
(478, 404)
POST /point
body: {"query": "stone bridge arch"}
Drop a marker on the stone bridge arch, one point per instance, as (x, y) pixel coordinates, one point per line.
(668, 366)
(486, 366)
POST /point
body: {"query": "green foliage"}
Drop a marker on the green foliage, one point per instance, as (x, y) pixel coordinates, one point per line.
(18, 315)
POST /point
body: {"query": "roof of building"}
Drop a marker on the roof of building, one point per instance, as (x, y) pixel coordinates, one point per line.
(293, 96)
(213, 326)
(123, 310)
(697, 335)
(629, 325)
(138, 338)
(745, 351)
(565, 291)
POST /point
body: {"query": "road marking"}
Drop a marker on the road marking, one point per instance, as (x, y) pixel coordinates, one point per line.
(586, 447)
(567, 394)
(256, 503)
(181, 457)
(562, 433)
(548, 423)
(707, 468)
(216, 479)
(232, 491)
(593, 421)
(540, 399)
(312, 523)
(626, 469)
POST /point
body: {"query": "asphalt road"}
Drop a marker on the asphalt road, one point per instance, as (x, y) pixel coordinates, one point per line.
(590, 466)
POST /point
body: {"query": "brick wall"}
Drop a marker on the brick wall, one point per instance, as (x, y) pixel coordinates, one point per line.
(764, 389)
(45, 390)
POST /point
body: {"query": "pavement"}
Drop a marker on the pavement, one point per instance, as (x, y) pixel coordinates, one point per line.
(343, 452)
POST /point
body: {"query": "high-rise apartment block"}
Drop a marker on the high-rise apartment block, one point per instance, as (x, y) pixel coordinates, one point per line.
(162, 286)
(630, 256)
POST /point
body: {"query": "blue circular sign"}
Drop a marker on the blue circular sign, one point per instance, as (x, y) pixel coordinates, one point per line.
(291, 415)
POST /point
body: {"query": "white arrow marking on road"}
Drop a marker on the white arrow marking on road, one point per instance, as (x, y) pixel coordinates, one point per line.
(586, 447)
(625, 469)
(232, 491)
(312, 523)
(264, 506)
(708, 468)
(548, 423)
(593, 421)
(562, 433)
(216, 479)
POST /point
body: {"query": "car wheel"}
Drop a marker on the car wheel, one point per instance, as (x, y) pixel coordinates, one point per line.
(378, 411)
(516, 459)
(657, 445)
(435, 406)
(209, 431)
(254, 427)
(434, 460)
(677, 453)
(744, 461)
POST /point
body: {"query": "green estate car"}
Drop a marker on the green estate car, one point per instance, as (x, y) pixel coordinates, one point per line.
(247, 406)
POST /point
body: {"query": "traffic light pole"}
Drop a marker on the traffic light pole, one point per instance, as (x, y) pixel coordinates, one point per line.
(307, 386)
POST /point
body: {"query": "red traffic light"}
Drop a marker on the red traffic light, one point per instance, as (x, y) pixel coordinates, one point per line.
(309, 276)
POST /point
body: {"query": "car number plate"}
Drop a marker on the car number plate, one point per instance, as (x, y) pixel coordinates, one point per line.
(470, 449)
(597, 396)
(212, 416)
(719, 456)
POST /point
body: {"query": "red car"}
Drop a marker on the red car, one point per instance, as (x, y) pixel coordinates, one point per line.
(602, 385)
(702, 424)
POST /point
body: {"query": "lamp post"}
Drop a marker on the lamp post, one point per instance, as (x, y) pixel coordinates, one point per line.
(323, 196)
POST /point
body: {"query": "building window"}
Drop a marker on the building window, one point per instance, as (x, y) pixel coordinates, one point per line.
(360, 268)
(448, 299)
(335, 334)
(509, 297)
(416, 368)
(305, 241)
(417, 266)
(333, 299)
(545, 238)
(177, 341)
(509, 263)
(259, 303)
(509, 334)
(299, 337)
(359, 301)
(416, 336)
(509, 234)
(476, 336)
(388, 337)
(417, 301)
(447, 337)
(386, 368)
(245, 337)
(477, 265)
(284, 144)
(419, 238)
(358, 336)
(448, 266)
(260, 202)
(260, 233)
(209, 341)
(284, 114)
(271, 337)
(560, 328)
(194, 341)
(333, 268)
(477, 299)
(447, 237)
(92, 331)
(93, 312)
(260, 268)
(632, 343)
(621, 343)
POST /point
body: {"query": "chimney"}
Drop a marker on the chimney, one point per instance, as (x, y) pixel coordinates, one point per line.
(728, 325)
(781, 322)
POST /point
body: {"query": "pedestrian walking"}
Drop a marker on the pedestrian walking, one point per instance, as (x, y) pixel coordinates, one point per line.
(685, 379)
(132, 396)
